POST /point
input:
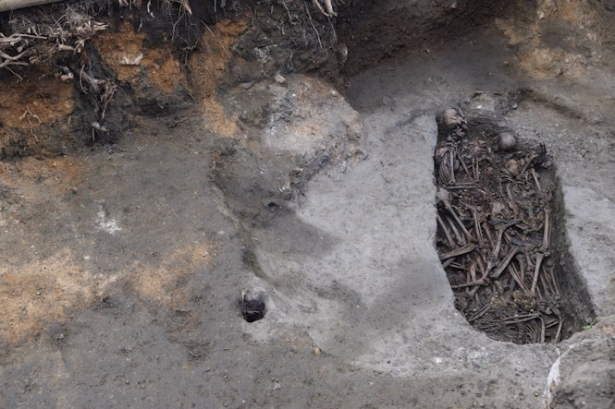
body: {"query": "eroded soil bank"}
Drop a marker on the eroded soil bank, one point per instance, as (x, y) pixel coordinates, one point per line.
(168, 159)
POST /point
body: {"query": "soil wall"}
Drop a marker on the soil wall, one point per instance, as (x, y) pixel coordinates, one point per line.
(85, 85)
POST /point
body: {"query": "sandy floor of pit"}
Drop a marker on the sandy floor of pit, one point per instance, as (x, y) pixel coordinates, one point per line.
(121, 270)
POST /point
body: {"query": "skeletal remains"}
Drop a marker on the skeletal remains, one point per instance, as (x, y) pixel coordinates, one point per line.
(328, 10)
(494, 233)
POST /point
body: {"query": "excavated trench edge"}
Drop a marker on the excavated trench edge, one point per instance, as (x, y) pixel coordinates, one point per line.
(575, 304)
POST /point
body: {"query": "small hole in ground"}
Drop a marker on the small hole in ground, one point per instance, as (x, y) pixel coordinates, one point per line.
(501, 236)
(253, 305)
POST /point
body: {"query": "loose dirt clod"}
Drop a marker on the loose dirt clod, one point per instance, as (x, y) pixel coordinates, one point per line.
(494, 234)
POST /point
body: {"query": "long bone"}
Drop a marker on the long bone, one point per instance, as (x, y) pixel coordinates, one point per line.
(459, 252)
(465, 168)
(451, 243)
(521, 260)
(451, 153)
(515, 275)
(546, 238)
(328, 7)
(527, 164)
(443, 196)
(460, 240)
(536, 179)
(505, 262)
(488, 233)
(539, 258)
(479, 232)
(501, 229)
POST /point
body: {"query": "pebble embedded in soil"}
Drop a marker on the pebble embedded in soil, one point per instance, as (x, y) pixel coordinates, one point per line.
(280, 79)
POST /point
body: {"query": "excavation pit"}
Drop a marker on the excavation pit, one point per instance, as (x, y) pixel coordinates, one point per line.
(501, 237)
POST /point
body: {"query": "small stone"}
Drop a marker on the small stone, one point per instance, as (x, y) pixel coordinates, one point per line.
(342, 53)
(460, 354)
(279, 78)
